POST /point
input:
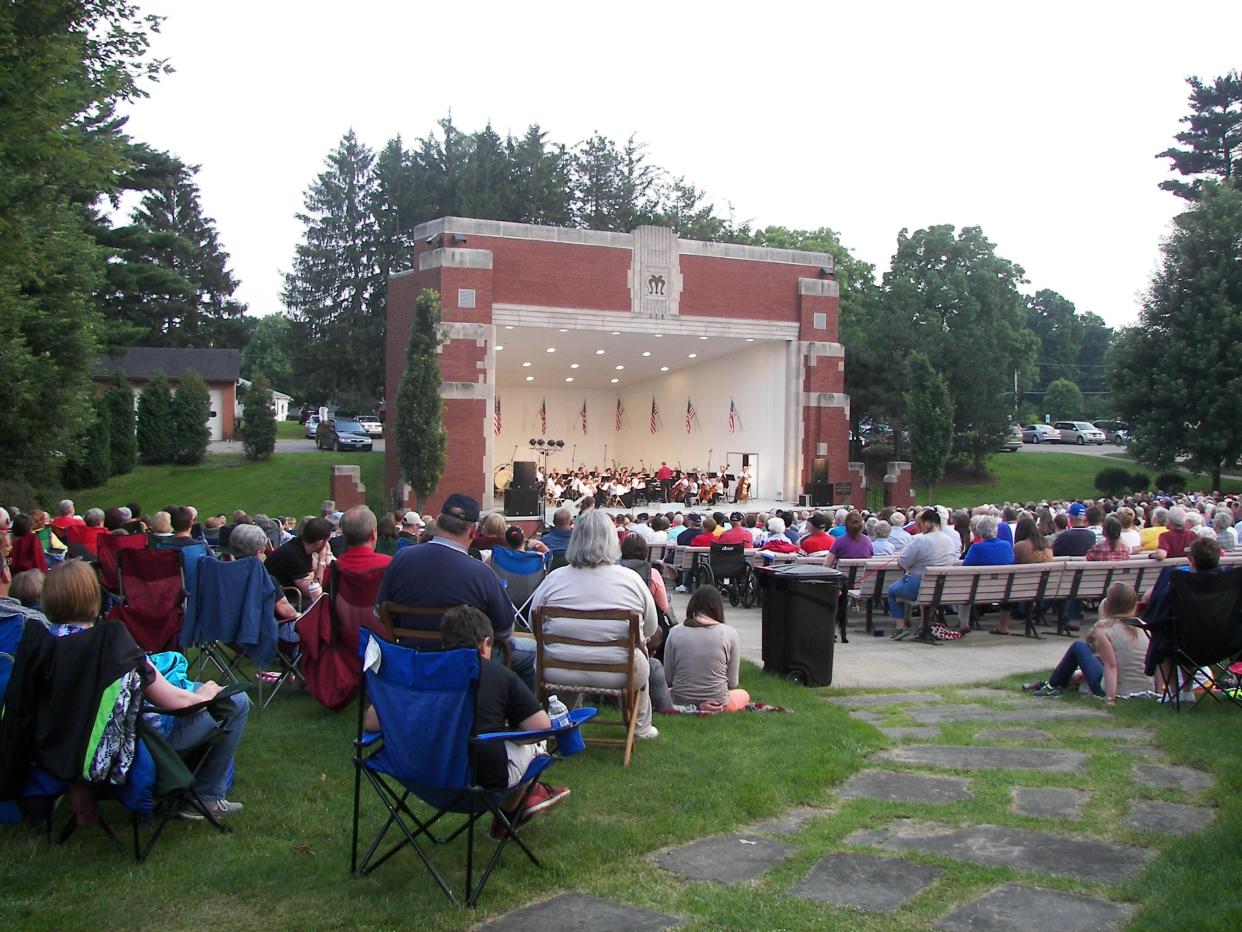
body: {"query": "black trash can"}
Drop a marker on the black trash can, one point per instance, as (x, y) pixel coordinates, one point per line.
(799, 621)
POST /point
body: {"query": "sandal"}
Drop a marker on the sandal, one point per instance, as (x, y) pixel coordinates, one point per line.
(999, 631)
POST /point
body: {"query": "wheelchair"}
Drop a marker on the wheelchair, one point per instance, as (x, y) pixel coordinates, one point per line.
(728, 570)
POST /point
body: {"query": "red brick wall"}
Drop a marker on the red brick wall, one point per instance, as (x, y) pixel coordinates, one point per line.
(345, 487)
(714, 287)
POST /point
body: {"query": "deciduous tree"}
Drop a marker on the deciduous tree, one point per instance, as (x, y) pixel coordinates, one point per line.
(1063, 401)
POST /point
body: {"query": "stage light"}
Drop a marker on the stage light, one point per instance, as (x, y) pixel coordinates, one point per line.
(525, 365)
(657, 335)
(619, 368)
(542, 443)
(664, 368)
(499, 348)
(560, 443)
(564, 330)
(551, 349)
(599, 352)
(693, 356)
(750, 339)
(616, 333)
(533, 441)
(702, 338)
(573, 365)
(614, 381)
(508, 326)
(569, 378)
(647, 353)
(530, 378)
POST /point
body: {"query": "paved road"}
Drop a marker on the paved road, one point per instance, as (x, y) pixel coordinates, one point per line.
(282, 446)
(1087, 449)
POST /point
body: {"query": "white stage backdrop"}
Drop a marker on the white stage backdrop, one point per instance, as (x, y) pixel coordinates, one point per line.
(753, 379)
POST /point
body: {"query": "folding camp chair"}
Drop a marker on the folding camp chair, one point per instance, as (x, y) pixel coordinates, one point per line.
(620, 633)
(28, 554)
(154, 604)
(423, 632)
(328, 632)
(108, 549)
(1201, 629)
(521, 571)
(426, 702)
(234, 618)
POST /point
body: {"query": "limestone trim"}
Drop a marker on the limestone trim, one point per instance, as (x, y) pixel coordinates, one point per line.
(816, 350)
(523, 315)
(393, 276)
(466, 226)
(455, 259)
(826, 400)
(821, 287)
(480, 333)
(471, 391)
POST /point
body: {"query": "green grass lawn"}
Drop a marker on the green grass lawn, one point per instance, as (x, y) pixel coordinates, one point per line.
(286, 484)
(287, 862)
(290, 430)
(1028, 477)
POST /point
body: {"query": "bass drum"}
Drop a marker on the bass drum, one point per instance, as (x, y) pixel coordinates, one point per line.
(503, 477)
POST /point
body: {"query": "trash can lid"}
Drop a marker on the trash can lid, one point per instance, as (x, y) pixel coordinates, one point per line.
(806, 571)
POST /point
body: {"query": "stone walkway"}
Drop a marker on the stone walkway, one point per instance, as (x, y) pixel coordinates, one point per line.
(899, 857)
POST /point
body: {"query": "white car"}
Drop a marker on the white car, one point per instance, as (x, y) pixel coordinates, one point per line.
(371, 424)
(1040, 433)
(1079, 432)
(312, 427)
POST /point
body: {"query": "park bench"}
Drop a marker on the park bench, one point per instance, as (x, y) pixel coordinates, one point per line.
(967, 586)
(1089, 580)
(867, 581)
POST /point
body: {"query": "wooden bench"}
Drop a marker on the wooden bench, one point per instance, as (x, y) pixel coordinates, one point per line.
(1089, 580)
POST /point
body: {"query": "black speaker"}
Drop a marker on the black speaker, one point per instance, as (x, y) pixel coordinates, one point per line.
(524, 474)
(521, 501)
(819, 469)
(821, 494)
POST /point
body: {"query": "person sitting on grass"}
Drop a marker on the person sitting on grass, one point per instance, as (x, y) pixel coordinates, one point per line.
(71, 598)
(504, 703)
(702, 657)
(1109, 659)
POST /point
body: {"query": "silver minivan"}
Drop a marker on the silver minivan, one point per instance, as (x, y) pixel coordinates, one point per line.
(1079, 432)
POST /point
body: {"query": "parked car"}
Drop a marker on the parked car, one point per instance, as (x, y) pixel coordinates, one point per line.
(371, 424)
(1040, 433)
(312, 427)
(343, 434)
(1013, 441)
(1079, 432)
(1116, 431)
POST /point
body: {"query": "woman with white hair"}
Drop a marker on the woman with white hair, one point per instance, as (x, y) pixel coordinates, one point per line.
(777, 541)
(1226, 536)
(594, 580)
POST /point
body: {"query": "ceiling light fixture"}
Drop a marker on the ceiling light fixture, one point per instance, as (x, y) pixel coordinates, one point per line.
(551, 349)
(530, 378)
(702, 338)
(499, 347)
(569, 378)
(664, 368)
(573, 365)
(619, 368)
(599, 352)
(648, 353)
(693, 356)
(614, 381)
(657, 335)
(564, 330)
(508, 326)
(616, 333)
(525, 365)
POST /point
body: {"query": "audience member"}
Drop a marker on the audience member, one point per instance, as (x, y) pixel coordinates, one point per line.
(703, 657)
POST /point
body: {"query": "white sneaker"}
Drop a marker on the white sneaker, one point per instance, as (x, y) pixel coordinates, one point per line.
(647, 735)
(217, 807)
(680, 589)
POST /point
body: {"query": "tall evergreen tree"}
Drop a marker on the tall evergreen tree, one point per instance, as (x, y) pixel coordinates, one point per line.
(1212, 141)
(89, 462)
(929, 412)
(485, 187)
(260, 435)
(191, 408)
(66, 66)
(539, 189)
(1178, 390)
(420, 435)
(156, 431)
(613, 188)
(335, 293)
(123, 440)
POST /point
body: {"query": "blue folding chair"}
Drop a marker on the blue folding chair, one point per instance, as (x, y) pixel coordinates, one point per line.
(521, 571)
(426, 702)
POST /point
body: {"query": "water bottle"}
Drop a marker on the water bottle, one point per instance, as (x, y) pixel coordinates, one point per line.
(558, 713)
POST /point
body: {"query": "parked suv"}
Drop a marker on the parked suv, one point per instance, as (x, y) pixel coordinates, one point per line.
(342, 434)
(1079, 432)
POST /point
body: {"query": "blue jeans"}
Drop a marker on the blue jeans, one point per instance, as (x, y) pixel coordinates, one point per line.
(1079, 657)
(905, 588)
(523, 661)
(191, 730)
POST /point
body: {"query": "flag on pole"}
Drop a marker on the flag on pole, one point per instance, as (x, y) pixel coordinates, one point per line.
(620, 412)
(735, 419)
(582, 416)
(655, 416)
(496, 418)
(692, 416)
(543, 417)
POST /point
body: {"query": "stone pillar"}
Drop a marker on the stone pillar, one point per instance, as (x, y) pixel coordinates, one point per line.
(345, 487)
(898, 486)
(858, 479)
(825, 406)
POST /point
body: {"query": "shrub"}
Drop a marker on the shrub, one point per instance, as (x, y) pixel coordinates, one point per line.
(1140, 482)
(119, 399)
(155, 423)
(90, 459)
(191, 407)
(1171, 482)
(1113, 481)
(260, 427)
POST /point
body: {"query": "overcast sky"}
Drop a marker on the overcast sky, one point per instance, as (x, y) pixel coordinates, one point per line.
(1038, 122)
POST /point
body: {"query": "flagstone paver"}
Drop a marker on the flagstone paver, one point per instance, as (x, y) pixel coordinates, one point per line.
(988, 692)
(726, 859)
(988, 757)
(578, 912)
(1013, 734)
(883, 699)
(871, 718)
(1170, 818)
(1015, 907)
(1165, 777)
(1140, 735)
(865, 882)
(789, 821)
(1028, 712)
(1048, 802)
(912, 731)
(1015, 848)
(899, 786)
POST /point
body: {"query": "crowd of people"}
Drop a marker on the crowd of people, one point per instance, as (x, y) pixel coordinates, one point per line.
(626, 486)
(597, 561)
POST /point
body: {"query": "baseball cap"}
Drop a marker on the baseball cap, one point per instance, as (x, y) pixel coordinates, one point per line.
(462, 507)
(411, 517)
(818, 520)
(1077, 510)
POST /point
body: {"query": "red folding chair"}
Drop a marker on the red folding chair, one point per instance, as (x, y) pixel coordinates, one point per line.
(82, 540)
(27, 555)
(154, 600)
(108, 548)
(329, 630)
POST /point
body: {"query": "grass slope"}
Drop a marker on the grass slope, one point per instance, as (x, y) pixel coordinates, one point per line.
(285, 484)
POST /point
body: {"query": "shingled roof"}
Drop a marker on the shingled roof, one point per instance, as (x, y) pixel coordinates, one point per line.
(142, 362)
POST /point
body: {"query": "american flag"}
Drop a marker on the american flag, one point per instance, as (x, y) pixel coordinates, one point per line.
(582, 416)
(620, 413)
(735, 419)
(543, 417)
(655, 416)
(692, 416)
(496, 418)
